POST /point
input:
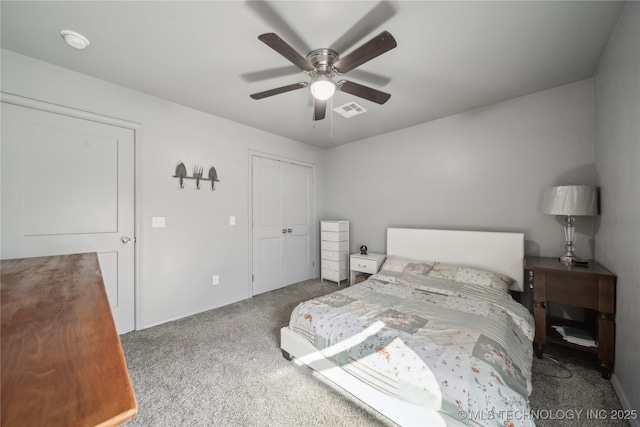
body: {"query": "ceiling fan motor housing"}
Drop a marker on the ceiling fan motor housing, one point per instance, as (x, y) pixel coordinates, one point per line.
(322, 61)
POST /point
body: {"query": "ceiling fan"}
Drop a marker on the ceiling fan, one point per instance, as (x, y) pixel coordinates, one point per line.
(323, 65)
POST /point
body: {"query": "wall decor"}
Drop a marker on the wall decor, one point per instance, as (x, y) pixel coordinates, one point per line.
(181, 172)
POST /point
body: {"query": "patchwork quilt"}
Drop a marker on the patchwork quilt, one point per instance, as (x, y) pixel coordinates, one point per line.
(459, 348)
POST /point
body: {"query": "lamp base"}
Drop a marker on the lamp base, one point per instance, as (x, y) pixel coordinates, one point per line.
(569, 233)
(568, 259)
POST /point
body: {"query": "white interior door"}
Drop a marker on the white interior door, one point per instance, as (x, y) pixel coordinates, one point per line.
(268, 230)
(282, 224)
(68, 187)
(298, 184)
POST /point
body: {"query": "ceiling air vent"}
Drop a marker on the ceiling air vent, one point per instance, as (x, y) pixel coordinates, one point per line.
(350, 109)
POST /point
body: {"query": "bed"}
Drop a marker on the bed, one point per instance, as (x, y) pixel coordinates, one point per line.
(434, 338)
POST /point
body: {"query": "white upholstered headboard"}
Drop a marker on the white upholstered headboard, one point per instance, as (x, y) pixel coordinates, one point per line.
(495, 251)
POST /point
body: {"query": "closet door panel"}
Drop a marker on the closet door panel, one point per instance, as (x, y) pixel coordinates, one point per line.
(269, 267)
(298, 181)
(282, 224)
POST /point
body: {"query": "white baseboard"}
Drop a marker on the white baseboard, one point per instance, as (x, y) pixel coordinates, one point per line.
(189, 313)
(623, 400)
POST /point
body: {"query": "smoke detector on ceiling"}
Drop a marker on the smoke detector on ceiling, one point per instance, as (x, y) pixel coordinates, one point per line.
(350, 109)
(73, 39)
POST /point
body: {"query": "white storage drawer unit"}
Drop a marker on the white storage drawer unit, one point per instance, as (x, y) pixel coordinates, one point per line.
(334, 250)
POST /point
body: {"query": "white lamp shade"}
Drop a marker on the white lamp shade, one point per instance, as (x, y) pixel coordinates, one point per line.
(571, 200)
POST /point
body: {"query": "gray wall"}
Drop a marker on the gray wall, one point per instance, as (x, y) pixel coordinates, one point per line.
(617, 163)
(484, 169)
(176, 263)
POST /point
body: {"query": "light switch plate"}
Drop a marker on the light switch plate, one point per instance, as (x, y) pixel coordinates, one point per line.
(232, 220)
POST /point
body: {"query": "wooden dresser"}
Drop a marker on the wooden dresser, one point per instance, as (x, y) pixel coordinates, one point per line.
(62, 361)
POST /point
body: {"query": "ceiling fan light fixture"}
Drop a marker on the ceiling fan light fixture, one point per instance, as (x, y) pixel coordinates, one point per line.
(322, 88)
(75, 40)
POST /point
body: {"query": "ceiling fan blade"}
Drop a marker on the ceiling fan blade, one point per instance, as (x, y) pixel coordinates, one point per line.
(378, 45)
(368, 77)
(272, 18)
(377, 16)
(319, 109)
(271, 73)
(276, 43)
(279, 90)
(365, 92)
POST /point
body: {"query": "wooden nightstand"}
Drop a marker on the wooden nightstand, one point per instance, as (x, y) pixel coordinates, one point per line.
(592, 288)
(369, 264)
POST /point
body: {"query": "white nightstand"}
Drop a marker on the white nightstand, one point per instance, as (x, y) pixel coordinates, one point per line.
(369, 263)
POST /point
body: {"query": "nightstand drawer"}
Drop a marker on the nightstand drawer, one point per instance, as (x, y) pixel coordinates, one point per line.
(334, 246)
(338, 236)
(364, 265)
(572, 289)
(335, 255)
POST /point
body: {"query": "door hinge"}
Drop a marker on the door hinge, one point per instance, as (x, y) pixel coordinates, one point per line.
(252, 277)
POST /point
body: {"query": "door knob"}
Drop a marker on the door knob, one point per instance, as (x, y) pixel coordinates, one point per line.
(125, 240)
(289, 230)
(284, 231)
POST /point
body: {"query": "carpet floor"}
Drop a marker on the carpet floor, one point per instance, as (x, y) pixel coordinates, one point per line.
(224, 367)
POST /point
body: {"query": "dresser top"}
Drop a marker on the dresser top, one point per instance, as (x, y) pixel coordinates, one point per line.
(62, 361)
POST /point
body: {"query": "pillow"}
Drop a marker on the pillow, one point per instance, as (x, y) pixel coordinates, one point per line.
(470, 275)
(406, 265)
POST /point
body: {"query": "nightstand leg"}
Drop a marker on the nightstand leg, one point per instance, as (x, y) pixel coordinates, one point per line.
(540, 318)
(605, 370)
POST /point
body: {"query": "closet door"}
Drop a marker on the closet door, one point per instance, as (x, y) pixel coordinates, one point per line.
(298, 184)
(282, 224)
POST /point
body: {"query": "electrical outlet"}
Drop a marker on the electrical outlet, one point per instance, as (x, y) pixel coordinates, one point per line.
(216, 280)
(158, 222)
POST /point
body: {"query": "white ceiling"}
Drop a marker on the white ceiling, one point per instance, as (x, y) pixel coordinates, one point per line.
(451, 56)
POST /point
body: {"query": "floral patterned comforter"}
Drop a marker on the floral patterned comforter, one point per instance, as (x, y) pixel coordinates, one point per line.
(465, 350)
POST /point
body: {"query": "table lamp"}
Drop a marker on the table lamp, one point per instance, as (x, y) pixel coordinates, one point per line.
(570, 200)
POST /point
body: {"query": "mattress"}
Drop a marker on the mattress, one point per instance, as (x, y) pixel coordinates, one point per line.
(460, 348)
